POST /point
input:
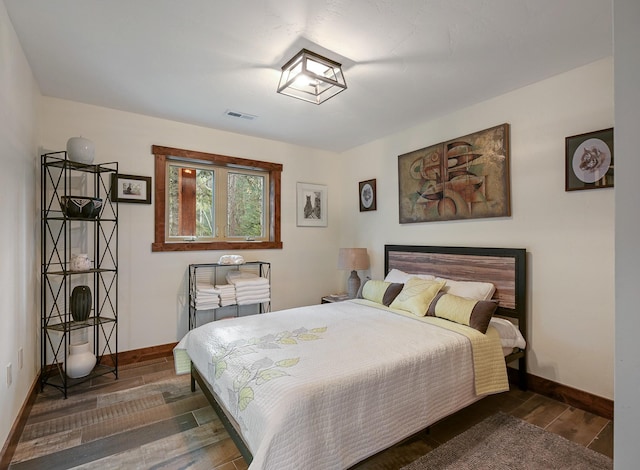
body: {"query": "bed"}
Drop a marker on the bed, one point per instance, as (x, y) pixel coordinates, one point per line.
(329, 385)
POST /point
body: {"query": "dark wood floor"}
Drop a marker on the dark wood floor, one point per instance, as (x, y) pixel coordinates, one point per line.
(149, 419)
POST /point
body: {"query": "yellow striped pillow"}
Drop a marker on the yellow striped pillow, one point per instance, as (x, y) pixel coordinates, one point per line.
(474, 313)
(381, 292)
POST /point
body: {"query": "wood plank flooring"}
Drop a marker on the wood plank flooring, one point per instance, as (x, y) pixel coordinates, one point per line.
(149, 419)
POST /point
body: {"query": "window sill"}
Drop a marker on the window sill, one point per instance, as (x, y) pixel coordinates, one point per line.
(199, 246)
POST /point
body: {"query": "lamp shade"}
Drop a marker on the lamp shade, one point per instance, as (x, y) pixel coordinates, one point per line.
(311, 77)
(353, 259)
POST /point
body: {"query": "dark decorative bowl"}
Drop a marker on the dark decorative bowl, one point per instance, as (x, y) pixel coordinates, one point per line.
(81, 206)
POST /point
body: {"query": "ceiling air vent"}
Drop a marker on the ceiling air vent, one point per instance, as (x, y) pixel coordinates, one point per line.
(238, 114)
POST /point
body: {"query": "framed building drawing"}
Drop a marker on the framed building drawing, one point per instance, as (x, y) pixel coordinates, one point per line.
(311, 205)
(464, 178)
(131, 188)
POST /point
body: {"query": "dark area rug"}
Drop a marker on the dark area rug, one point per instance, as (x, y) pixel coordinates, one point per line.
(503, 442)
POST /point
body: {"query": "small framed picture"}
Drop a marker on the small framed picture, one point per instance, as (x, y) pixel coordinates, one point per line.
(311, 205)
(589, 160)
(130, 188)
(367, 193)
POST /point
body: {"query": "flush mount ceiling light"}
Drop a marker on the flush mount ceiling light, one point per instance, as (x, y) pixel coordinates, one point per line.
(311, 77)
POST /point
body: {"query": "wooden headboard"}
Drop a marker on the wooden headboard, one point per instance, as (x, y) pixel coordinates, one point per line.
(503, 267)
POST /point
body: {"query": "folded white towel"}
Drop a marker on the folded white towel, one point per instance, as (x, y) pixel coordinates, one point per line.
(210, 291)
(206, 297)
(258, 281)
(207, 306)
(250, 297)
(253, 294)
(253, 301)
(252, 284)
(225, 287)
(252, 290)
(253, 297)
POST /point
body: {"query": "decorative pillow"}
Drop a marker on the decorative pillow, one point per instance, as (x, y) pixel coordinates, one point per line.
(468, 289)
(381, 292)
(510, 335)
(395, 275)
(471, 312)
(416, 295)
(359, 293)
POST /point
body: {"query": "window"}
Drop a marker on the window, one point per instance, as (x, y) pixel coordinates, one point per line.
(214, 202)
(208, 203)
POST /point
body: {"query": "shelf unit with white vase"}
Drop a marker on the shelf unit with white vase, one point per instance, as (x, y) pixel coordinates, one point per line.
(63, 238)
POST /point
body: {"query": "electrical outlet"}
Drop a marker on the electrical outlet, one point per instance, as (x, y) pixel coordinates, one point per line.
(20, 363)
(9, 380)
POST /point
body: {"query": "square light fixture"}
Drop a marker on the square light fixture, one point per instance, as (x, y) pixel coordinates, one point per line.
(311, 77)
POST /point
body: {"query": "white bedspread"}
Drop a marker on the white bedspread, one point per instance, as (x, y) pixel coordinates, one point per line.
(323, 387)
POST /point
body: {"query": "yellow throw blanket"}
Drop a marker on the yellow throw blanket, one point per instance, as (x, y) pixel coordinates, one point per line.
(490, 370)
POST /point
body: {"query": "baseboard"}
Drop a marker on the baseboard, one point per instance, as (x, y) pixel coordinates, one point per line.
(11, 443)
(143, 354)
(124, 358)
(571, 396)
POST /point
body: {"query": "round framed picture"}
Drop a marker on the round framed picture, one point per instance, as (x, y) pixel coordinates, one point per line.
(367, 193)
(589, 160)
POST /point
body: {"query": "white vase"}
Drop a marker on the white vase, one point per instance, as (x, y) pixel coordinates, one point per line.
(80, 150)
(80, 361)
(80, 262)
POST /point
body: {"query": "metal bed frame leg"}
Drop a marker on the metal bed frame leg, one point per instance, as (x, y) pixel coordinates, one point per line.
(522, 373)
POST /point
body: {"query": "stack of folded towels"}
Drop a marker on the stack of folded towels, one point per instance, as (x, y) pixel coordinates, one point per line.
(227, 294)
(250, 288)
(207, 296)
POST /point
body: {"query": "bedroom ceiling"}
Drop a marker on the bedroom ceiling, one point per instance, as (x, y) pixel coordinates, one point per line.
(405, 61)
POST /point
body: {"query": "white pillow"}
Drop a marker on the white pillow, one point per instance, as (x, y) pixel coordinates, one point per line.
(510, 336)
(395, 275)
(469, 289)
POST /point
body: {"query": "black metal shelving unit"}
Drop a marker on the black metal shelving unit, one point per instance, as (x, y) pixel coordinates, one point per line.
(214, 273)
(61, 237)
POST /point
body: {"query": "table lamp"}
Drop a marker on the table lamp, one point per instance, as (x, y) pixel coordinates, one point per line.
(353, 259)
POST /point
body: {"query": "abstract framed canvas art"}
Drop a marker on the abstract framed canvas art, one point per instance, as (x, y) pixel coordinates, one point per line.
(463, 178)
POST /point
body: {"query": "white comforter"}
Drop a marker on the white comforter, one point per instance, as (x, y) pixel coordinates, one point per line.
(324, 387)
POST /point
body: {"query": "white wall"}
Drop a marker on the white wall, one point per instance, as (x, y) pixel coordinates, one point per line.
(627, 102)
(152, 286)
(568, 235)
(19, 279)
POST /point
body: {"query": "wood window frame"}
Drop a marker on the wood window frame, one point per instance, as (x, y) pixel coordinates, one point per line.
(163, 154)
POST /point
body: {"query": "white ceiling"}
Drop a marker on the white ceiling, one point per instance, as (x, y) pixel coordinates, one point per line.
(405, 61)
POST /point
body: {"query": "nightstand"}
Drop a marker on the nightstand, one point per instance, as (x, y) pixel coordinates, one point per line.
(329, 299)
